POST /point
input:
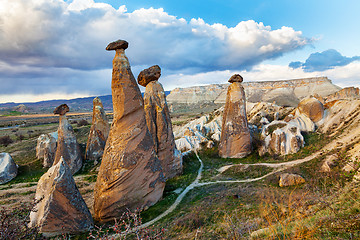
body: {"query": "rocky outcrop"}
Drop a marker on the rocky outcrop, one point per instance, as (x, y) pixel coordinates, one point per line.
(61, 208)
(99, 132)
(130, 174)
(289, 179)
(311, 108)
(159, 122)
(329, 163)
(345, 93)
(235, 141)
(8, 168)
(67, 145)
(46, 148)
(283, 93)
(281, 138)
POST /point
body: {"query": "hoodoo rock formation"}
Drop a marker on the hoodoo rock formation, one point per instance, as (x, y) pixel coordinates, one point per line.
(46, 148)
(235, 141)
(61, 208)
(159, 122)
(99, 132)
(67, 145)
(8, 168)
(130, 174)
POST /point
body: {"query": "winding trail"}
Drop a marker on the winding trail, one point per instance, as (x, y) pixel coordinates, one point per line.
(196, 183)
(348, 138)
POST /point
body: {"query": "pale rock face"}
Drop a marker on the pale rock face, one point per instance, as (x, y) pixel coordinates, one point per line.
(99, 132)
(46, 148)
(67, 146)
(193, 134)
(302, 121)
(61, 209)
(130, 174)
(159, 123)
(281, 138)
(289, 179)
(8, 168)
(285, 92)
(235, 139)
(345, 93)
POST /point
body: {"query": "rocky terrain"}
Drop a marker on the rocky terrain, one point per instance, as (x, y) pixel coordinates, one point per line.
(279, 161)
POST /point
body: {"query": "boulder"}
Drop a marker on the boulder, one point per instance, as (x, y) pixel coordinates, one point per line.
(289, 179)
(61, 208)
(235, 139)
(99, 132)
(130, 175)
(312, 108)
(159, 122)
(67, 145)
(281, 138)
(46, 148)
(329, 163)
(8, 168)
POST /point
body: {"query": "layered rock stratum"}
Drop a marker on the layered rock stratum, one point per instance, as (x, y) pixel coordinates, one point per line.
(283, 93)
(235, 140)
(60, 208)
(159, 122)
(67, 145)
(130, 174)
(99, 132)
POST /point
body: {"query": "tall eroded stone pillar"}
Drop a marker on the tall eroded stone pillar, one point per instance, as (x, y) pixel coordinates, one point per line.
(235, 141)
(99, 132)
(159, 122)
(67, 145)
(130, 174)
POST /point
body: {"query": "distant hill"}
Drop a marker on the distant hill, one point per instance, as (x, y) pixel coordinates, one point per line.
(76, 104)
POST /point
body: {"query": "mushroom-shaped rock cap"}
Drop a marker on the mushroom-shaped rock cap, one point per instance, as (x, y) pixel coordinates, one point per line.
(62, 109)
(150, 74)
(236, 78)
(119, 44)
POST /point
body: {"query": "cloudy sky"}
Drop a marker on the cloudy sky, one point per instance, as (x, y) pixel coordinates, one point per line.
(52, 49)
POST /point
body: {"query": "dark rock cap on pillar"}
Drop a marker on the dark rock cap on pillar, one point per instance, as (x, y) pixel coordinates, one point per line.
(62, 109)
(236, 78)
(119, 44)
(150, 74)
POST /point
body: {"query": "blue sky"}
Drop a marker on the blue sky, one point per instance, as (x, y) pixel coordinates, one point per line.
(55, 48)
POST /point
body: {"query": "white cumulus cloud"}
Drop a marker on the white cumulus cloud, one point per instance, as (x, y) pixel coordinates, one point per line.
(56, 42)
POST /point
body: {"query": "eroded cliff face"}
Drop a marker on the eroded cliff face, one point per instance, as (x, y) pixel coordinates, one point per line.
(283, 93)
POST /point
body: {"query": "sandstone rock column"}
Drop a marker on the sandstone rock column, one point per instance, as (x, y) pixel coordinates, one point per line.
(159, 122)
(67, 146)
(61, 208)
(46, 148)
(235, 141)
(99, 132)
(130, 174)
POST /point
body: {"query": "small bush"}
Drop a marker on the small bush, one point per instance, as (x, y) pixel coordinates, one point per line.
(14, 223)
(6, 140)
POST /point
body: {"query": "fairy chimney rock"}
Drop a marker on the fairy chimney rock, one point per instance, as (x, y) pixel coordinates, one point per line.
(61, 208)
(99, 132)
(67, 145)
(235, 141)
(130, 174)
(159, 122)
